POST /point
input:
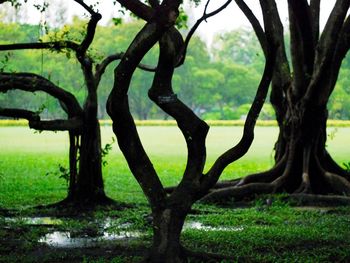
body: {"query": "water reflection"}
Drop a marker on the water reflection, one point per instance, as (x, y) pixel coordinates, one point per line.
(98, 230)
(68, 239)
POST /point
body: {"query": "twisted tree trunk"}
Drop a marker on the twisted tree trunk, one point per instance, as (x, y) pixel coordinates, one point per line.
(303, 164)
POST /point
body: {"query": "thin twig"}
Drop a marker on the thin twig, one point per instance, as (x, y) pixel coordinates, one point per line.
(181, 58)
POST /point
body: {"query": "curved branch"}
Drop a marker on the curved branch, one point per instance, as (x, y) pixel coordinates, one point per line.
(193, 128)
(31, 82)
(138, 8)
(73, 124)
(57, 45)
(182, 54)
(259, 31)
(90, 33)
(118, 108)
(100, 68)
(86, 7)
(20, 114)
(281, 79)
(212, 176)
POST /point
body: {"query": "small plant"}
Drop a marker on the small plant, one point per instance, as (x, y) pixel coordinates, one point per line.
(63, 173)
(105, 151)
(40, 109)
(4, 61)
(332, 134)
(347, 166)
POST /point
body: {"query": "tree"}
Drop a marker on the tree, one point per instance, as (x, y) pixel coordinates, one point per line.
(170, 211)
(239, 46)
(85, 182)
(300, 93)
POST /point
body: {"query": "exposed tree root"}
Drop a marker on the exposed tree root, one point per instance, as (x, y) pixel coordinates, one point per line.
(315, 183)
(206, 257)
(331, 166)
(339, 184)
(239, 192)
(85, 205)
(318, 200)
(267, 176)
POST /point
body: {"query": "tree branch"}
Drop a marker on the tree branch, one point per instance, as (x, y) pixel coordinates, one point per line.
(302, 30)
(31, 82)
(91, 28)
(100, 68)
(58, 45)
(73, 124)
(325, 49)
(281, 79)
(20, 114)
(138, 8)
(315, 19)
(259, 31)
(193, 128)
(154, 3)
(212, 176)
(340, 52)
(182, 55)
(86, 7)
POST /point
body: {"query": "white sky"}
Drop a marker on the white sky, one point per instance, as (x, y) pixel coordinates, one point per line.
(228, 19)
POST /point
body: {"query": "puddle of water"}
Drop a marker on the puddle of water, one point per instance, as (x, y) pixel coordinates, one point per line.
(87, 238)
(66, 239)
(200, 226)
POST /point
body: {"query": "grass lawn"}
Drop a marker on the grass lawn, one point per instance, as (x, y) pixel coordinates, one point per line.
(280, 233)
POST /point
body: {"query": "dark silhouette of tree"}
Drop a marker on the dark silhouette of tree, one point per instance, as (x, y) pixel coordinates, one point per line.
(170, 211)
(85, 182)
(300, 92)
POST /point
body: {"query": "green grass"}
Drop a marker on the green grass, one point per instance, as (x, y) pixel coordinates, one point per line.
(278, 233)
(27, 157)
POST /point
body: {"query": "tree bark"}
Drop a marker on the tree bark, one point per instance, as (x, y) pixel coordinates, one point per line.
(87, 186)
(303, 164)
(167, 226)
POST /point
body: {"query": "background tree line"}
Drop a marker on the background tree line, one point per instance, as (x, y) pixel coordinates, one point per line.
(217, 82)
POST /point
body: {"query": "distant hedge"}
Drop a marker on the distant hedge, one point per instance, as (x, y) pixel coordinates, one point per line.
(330, 123)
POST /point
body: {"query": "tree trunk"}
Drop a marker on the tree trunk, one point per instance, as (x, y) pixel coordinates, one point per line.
(167, 226)
(303, 164)
(309, 167)
(300, 97)
(88, 185)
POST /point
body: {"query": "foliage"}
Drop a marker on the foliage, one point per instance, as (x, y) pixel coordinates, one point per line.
(106, 150)
(215, 81)
(62, 173)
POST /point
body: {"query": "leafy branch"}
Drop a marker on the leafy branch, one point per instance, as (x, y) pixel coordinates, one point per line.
(106, 150)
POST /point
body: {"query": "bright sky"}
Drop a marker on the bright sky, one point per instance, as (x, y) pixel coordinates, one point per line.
(228, 19)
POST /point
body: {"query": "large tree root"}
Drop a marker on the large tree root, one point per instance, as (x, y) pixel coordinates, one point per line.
(238, 192)
(85, 205)
(318, 200)
(206, 257)
(314, 183)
